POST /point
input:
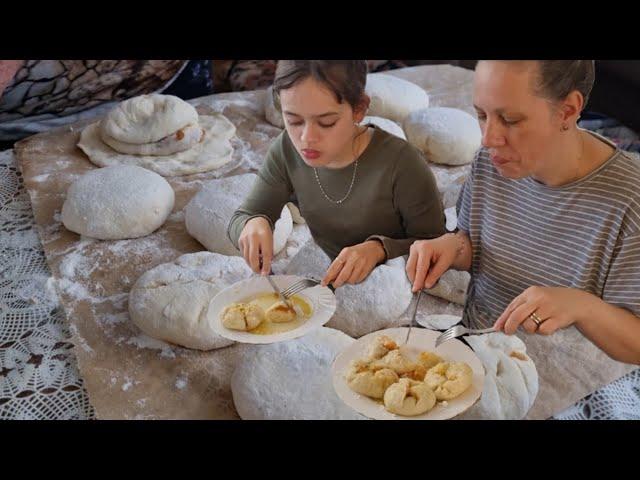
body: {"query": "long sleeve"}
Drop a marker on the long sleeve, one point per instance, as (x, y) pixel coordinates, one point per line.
(270, 192)
(416, 198)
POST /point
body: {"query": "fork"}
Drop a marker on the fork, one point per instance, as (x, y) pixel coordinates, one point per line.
(458, 331)
(299, 286)
(413, 317)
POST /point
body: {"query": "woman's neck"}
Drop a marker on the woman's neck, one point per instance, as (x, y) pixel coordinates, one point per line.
(578, 156)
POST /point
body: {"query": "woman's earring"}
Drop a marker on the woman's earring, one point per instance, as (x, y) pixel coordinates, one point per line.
(565, 127)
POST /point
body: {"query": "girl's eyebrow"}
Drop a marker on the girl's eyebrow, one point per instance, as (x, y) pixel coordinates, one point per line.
(316, 116)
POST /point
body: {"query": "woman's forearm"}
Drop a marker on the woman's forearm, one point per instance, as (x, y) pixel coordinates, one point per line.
(464, 252)
(613, 329)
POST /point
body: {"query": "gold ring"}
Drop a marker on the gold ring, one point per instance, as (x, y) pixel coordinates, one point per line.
(536, 319)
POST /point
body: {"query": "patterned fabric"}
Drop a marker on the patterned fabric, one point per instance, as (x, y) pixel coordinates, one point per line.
(45, 94)
(622, 136)
(62, 87)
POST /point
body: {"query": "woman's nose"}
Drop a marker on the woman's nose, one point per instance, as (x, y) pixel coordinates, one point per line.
(492, 136)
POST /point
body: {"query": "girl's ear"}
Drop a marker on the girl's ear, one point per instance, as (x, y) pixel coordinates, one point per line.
(361, 109)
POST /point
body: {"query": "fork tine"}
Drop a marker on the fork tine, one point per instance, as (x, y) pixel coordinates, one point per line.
(293, 291)
(297, 287)
(293, 286)
(445, 336)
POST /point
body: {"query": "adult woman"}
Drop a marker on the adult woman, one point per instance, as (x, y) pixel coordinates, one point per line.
(549, 219)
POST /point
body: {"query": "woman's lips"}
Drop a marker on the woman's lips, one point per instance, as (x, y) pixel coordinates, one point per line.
(310, 154)
(497, 160)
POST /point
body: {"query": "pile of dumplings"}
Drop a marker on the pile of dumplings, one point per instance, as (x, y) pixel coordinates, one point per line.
(406, 387)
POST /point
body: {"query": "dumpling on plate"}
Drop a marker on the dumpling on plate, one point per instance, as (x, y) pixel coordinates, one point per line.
(449, 379)
(409, 398)
(280, 312)
(429, 359)
(380, 347)
(361, 379)
(395, 361)
(242, 316)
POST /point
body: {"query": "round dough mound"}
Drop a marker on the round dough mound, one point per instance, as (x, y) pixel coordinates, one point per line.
(242, 316)
(179, 141)
(367, 382)
(449, 379)
(409, 398)
(214, 151)
(393, 97)
(148, 118)
(446, 135)
(119, 202)
(208, 213)
(171, 301)
(291, 380)
(385, 124)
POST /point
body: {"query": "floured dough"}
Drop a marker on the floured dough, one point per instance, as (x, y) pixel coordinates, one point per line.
(393, 97)
(117, 202)
(385, 124)
(148, 118)
(170, 302)
(446, 135)
(209, 212)
(511, 380)
(213, 151)
(179, 141)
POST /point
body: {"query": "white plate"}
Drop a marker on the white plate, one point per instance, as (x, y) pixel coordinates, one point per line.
(321, 299)
(420, 340)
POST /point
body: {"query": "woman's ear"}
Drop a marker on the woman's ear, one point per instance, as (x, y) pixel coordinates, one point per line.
(361, 109)
(572, 107)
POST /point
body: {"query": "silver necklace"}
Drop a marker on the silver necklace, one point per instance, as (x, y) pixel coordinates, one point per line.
(353, 180)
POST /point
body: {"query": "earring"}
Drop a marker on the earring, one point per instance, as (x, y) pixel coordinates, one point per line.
(565, 127)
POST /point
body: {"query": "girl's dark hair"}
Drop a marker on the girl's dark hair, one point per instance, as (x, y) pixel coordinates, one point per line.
(557, 78)
(345, 78)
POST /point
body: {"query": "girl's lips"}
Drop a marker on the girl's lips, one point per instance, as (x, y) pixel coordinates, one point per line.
(310, 154)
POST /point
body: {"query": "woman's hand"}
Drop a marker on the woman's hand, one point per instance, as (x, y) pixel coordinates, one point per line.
(354, 263)
(256, 245)
(553, 307)
(429, 259)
